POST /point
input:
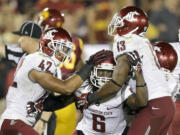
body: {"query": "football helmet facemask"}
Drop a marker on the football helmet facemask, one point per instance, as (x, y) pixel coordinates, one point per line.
(129, 20)
(56, 43)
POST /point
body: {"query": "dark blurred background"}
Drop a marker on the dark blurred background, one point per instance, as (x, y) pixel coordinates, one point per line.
(89, 18)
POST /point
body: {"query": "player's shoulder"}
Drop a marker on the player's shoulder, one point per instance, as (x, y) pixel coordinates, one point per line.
(37, 56)
(129, 42)
(78, 42)
(137, 38)
(132, 39)
(41, 60)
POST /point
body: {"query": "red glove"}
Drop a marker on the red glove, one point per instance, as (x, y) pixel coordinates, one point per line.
(33, 109)
(81, 102)
(99, 56)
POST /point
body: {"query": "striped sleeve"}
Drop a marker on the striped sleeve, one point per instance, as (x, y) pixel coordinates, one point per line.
(13, 53)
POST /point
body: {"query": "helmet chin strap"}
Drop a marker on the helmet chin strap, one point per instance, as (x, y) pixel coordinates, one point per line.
(131, 32)
(56, 61)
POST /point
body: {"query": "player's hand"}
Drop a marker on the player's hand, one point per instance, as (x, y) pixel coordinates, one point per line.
(81, 102)
(98, 57)
(134, 60)
(33, 109)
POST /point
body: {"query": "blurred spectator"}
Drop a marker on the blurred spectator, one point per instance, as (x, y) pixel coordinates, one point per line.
(101, 22)
(59, 4)
(76, 23)
(152, 32)
(25, 6)
(164, 20)
(5, 68)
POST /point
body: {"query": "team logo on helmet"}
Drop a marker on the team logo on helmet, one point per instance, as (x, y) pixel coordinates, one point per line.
(130, 16)
(49, 34)
(156, 48)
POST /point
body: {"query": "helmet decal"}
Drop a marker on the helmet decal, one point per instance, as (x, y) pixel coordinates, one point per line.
(49, 34)
(129, 20)
(57, 44)
(130, 16)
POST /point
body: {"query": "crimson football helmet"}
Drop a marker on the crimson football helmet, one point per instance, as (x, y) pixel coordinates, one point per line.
(56, 43)
(50, 18)
(102, 72)
(166, 55)
(128, 20)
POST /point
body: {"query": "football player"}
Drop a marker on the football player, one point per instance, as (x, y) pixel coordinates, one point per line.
(49, 18)
(108, 118)
(35, 77)
(28, 42)
(174, 128)
(168, 59)
(97, 119)
(128, 27)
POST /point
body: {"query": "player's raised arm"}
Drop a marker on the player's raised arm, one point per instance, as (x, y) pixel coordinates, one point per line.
(124, 66)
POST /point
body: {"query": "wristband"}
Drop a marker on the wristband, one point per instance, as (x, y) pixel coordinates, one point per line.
(44, 121)
(143, 85)
(85, 71)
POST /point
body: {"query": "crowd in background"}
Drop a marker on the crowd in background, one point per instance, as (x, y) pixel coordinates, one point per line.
(87, 19)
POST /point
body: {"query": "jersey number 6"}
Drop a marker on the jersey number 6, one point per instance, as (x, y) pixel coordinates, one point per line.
(98, 123)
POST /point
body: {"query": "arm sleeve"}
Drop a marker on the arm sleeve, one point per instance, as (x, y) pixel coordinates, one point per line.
(53, 103)
(13, 53)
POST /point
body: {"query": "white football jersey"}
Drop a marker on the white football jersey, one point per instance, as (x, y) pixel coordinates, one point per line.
(174, 77)
(155, 79)
(106, 118)
(176, 46)
(24, 89)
